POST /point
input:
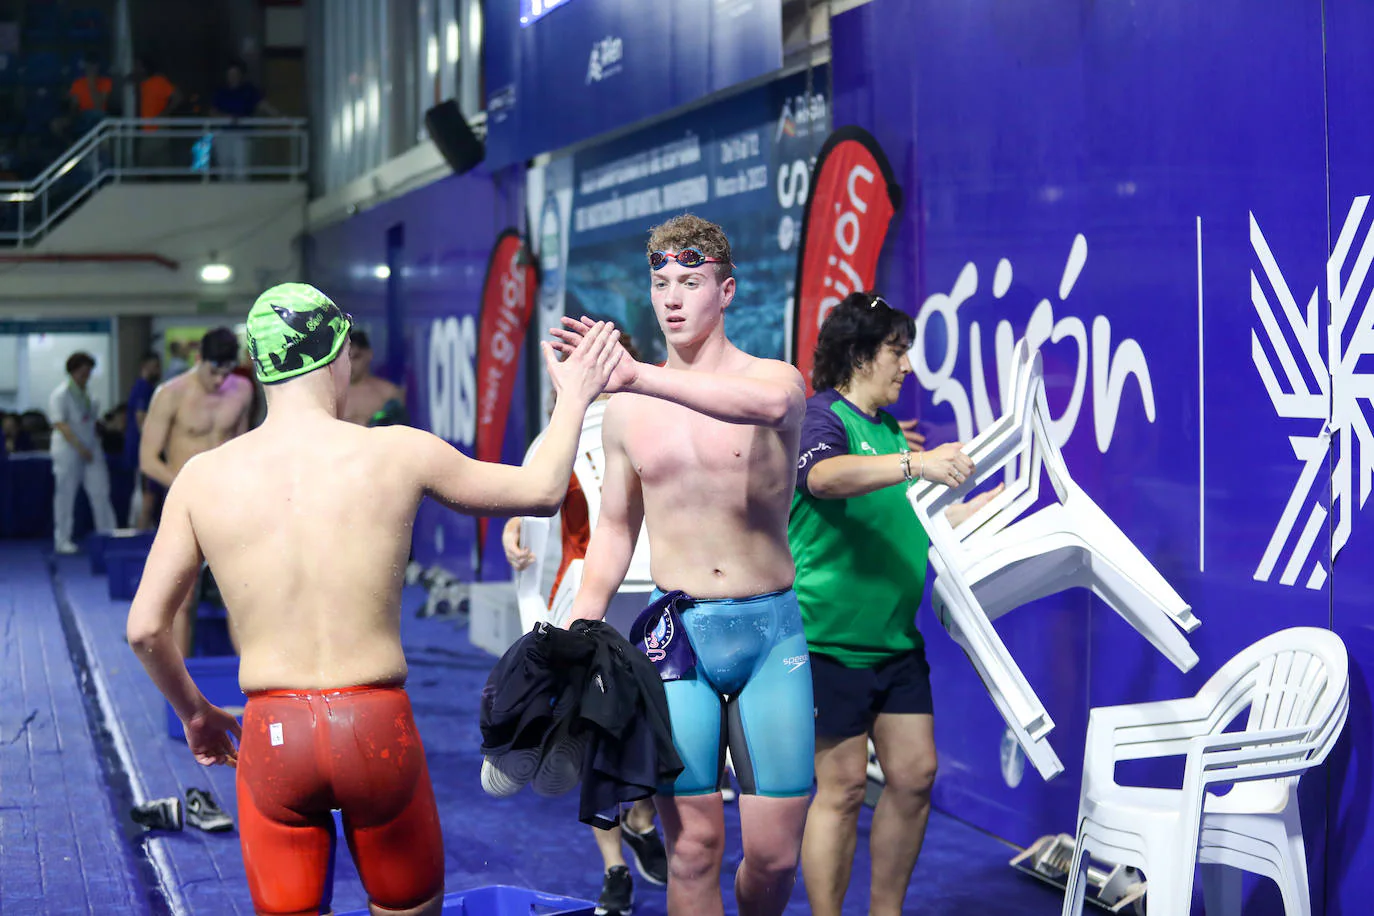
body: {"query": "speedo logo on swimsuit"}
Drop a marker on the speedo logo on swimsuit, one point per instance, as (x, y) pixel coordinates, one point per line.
(656, 640)
(794, 662)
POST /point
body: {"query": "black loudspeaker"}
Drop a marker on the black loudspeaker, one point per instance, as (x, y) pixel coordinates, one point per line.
(450, 132)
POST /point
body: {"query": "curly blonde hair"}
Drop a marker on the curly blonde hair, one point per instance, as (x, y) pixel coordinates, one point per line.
(689, 231)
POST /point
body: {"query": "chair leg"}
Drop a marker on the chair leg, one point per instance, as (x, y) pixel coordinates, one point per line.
(1076, 882)
(1297, 899)
(1169, 894)
(1222, 889)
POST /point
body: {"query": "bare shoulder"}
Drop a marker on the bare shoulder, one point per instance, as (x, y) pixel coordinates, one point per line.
(196, 475)
(621, 410)
(170, 391)
(240, 387)
(774, 369)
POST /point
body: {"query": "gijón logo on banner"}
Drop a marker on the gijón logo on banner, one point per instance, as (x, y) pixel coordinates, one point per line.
(853, 199)
(508, 297)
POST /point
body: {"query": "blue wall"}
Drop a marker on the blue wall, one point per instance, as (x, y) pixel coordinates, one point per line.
(1166, 152)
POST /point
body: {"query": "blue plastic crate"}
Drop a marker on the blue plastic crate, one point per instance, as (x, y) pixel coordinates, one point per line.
(124, 566)
(98, 544)
(217, 676)
(503, 900)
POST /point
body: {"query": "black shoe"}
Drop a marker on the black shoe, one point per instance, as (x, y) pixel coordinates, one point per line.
(202, 812)
(651, 859)
(617, 893)
(158, 814)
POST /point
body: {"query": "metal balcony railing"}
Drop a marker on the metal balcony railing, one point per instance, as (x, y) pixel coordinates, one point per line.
(152, 149)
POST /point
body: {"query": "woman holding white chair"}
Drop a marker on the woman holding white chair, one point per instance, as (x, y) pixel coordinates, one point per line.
(860, 554)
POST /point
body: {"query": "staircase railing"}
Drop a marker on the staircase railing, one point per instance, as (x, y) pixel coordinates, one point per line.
(152, 149)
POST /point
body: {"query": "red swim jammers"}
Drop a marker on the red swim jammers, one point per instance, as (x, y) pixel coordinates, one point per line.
(305, 753)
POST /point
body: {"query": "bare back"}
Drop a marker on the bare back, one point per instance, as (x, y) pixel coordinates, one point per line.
(202, 420)
(716, 495)
(307, 528)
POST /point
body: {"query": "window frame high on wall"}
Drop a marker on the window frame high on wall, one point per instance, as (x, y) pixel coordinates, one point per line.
(377, 66)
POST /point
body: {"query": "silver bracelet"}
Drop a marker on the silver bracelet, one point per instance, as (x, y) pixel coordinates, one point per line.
(906, 466)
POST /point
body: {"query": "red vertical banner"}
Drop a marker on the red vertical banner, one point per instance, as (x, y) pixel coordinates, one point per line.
(508, 296)
(853, 199)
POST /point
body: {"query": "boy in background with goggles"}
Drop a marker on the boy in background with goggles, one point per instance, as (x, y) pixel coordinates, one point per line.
(704, 449)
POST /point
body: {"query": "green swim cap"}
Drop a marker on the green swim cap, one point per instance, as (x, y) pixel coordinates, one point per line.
(293, 329)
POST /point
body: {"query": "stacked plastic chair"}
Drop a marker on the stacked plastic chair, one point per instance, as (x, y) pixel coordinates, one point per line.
(1006, 555)
(1295, 686)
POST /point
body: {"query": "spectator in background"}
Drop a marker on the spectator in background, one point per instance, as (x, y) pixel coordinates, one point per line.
(372, 401)
(16, 438)
(140, 396)
(237, 98)
(90, 94)
(157, 98)
(76, 455)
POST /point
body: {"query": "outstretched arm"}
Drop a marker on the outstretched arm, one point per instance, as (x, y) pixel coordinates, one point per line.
(617, 525)
(772, 396)
(537, 488)
(169, 575)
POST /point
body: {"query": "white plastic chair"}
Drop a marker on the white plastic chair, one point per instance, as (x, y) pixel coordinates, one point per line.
(539, 535)
(1296, 687)
(998, 560)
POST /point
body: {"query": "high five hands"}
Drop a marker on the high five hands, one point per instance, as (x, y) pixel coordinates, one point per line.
(589, 364)
(575, 333)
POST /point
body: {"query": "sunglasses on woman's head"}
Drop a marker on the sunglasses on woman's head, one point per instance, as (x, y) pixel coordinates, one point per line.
(877, 301)
(687, 257)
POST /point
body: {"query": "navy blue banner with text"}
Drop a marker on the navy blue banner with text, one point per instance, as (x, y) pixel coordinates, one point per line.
(589, 66)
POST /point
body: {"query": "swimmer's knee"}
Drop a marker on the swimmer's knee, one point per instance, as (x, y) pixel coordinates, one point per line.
(696, 853)
(770, 859)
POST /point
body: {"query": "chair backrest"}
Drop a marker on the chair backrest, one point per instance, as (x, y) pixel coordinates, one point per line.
(1295, 678)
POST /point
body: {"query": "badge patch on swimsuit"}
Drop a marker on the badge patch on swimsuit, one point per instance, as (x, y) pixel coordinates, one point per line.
(659, 634)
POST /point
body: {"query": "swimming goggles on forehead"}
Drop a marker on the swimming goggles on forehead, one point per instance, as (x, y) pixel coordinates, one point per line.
(687, 257)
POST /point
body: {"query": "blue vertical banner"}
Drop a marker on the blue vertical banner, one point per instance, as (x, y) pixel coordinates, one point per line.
(560, 73)
(743, 162)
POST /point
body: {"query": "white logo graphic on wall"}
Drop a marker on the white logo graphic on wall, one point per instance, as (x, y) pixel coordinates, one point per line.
(607, 59)
(452, 378)
(1331, 394)
(1111, 367)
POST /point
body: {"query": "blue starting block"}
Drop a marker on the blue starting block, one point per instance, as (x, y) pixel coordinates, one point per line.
(124, 566)
(98, 544)
(503, 900)
(217, 676)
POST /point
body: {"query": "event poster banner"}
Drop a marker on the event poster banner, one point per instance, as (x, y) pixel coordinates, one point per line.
(744, 163)
(589, 66)
(853, 198)
(508, 297)
(1198, 288)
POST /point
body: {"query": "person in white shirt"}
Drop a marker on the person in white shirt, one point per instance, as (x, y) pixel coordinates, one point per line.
(77, 459)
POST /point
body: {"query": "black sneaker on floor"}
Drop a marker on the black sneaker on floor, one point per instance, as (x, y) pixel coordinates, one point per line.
(202, 812)
(158, 814)
(650, 858)
(617, 893)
